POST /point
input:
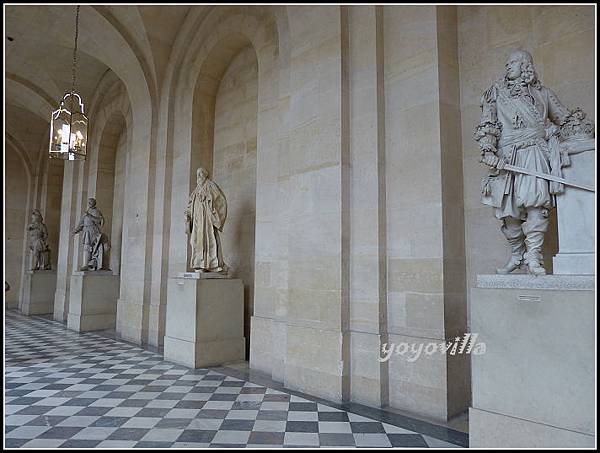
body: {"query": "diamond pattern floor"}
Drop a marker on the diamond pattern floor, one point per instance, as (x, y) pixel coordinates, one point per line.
(70, 390)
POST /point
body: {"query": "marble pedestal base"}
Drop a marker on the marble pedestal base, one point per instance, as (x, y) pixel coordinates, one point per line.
(93, 300)
(38, 292)
(534, 385)
(205, 320)
(575, 209)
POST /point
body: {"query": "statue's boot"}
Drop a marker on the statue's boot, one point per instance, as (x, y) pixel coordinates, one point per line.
(534, 228)
(514, 262)
(516, 239)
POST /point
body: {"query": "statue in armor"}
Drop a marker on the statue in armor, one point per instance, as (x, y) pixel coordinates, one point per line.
(95, 243)
(38, 242)
(522, 123)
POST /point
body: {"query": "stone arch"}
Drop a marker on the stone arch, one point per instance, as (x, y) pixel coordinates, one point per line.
(17, 210)
(108, 169)
(210, 50)
(233, 29)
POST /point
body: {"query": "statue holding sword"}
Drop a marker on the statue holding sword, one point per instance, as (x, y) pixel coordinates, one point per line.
(522, 124)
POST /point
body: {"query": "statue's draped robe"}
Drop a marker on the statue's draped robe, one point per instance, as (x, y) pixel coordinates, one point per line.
(207, 209)
(518, 124)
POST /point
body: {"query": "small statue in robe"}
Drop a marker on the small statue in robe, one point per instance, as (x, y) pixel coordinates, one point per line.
(205, 217)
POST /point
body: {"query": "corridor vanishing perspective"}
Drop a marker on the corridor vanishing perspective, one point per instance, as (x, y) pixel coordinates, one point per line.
(300, 225)
(84, 390)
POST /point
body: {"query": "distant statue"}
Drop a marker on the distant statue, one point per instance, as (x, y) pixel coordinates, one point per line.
(38, 242)
(205, 216)
(95, 243)
(521, 124)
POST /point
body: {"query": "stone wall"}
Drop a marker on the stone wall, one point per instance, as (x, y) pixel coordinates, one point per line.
(16, 217)
(234, 169)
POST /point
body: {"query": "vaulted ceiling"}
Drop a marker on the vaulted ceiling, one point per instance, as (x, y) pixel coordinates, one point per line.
(39, 52)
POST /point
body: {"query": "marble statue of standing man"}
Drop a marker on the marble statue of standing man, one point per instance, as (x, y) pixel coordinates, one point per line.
(205, 217)
(95, 243)
(38, 242)
(521, 123)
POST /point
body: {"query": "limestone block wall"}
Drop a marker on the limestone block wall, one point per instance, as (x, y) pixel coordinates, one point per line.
(425, 258)
(234, 168)
(561, 41)
(374, 248)
(116, 231)
(16, 210)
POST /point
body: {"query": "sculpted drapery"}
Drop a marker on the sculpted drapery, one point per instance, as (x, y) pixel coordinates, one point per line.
(205, 217)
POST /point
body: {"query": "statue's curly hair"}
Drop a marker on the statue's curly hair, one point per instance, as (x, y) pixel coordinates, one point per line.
(528, 72)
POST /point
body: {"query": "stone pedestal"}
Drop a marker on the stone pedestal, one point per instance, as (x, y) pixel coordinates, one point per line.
(575, 210)
(93, 300)
(205, 320)
(534, 385)
(38, 292)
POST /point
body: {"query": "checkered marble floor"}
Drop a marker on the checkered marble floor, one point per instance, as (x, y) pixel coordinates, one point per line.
(71, 390)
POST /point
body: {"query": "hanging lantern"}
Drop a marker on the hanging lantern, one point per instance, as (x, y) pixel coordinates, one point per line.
(69, 125)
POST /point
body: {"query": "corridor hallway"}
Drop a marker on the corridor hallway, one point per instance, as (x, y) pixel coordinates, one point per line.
(72, 390)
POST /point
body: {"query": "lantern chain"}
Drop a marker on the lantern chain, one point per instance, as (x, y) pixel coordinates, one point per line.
(74, 69)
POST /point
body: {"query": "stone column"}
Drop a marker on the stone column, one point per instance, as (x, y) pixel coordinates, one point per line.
(425, 226)
(368, 272)
(315, 314)
(67, 246)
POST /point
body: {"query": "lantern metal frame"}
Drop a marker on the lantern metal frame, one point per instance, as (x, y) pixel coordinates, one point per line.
(72, 123)
(68, 123)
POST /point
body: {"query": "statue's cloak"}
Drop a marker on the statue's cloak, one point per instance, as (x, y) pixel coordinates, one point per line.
(207, 209)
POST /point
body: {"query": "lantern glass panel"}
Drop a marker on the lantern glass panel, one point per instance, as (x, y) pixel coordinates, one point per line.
(68, 129)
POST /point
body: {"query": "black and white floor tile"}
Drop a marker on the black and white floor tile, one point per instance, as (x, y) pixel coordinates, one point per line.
(70, 390)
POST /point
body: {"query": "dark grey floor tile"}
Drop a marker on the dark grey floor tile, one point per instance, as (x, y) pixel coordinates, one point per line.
(148, 444)
(60, 432)
(15, 443)
(46, 420)
(407, 440)
(333, 416)
(35, 410)
(190, 404)
(302, 427)
(110, 422)
(75, 443)
(272, 415)
(128, 434)
(197, 436)
(94, 411)
(237, 425)
(336, 440)
(305, 407)
(367, 427)
(212, 413)
(260, 437)
(175, 423)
